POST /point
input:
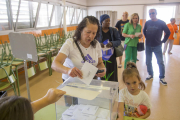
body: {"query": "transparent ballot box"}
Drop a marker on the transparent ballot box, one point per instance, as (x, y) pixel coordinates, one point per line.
(103, 106)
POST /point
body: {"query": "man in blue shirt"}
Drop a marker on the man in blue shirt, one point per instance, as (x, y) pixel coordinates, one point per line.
(153, 30)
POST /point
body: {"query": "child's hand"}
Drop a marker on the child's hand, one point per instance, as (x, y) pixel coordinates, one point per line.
(134, 115)
(53, 95)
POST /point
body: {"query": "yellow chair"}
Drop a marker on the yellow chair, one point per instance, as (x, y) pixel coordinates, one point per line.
(43, 65)
(6, 72)
(31, 72)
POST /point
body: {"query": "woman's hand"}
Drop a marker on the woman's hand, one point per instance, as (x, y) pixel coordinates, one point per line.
(75, 72)
(109, 45)
(53, 95)
(140, 36)
(102, 45)
(134, 115)
(132, 36)
(101, 74)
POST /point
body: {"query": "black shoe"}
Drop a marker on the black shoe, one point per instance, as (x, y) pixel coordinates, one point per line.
(162, 80)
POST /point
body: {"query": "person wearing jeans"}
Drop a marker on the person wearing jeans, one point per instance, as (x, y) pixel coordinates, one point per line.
(158, 53)
(173, 29)
(153, 32)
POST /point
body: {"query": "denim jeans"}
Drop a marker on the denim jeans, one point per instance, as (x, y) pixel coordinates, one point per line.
(158, 53)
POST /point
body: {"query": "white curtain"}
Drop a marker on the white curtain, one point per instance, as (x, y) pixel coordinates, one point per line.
(112, 14)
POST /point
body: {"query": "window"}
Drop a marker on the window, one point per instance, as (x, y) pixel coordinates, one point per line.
(76, 16)
(24, 17)
(84, 13)
(57, 16)
(27, 13)
(69, 15)
(44, 15)
(4, 22)
(34, 12)
(14, 6)
(80, 17)
(161, 9)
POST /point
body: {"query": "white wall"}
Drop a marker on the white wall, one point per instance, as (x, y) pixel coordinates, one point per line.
(178, 10)
(120, 9)
(79, 2)
(125, 2)
(129, 8)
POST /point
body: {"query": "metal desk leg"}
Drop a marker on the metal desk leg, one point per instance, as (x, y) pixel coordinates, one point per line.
(17, 80)
(27, 80)
(50, 69)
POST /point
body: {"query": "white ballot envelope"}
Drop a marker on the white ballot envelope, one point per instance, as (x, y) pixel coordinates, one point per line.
(80, 93)
(137, 34)
(89, 72)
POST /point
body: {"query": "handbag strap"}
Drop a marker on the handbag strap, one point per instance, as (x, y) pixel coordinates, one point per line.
(80, 51)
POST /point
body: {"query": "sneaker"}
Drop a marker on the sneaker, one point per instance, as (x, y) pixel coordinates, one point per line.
(162, 80)
(149, 77)
(137, 59)
(169, 52)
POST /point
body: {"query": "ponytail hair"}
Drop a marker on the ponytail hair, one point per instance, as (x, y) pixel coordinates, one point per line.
(131, 70)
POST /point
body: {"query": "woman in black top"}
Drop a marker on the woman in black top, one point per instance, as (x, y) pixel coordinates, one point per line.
(112, 34)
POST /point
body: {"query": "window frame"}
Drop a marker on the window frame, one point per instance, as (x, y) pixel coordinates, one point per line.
(13, 25)
(38, 15)
(61, 17)
(9, 14)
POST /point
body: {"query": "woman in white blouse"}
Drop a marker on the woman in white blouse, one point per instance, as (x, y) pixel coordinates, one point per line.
(69, 60)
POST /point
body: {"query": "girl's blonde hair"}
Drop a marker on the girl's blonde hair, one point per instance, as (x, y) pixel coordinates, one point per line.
(134, 14)
(131, 70)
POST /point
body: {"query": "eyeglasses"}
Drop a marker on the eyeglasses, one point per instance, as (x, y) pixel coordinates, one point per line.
(152, 13)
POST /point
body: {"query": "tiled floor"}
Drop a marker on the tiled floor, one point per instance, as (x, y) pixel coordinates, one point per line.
(165, 99)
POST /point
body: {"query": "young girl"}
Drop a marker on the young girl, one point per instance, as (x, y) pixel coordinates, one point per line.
(133, 95)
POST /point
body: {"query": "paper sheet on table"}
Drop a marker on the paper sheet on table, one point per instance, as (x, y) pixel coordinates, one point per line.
(102, 113)
(90, 109)
(80, 93)
(88, 72)
(81, 116)
(137, 34)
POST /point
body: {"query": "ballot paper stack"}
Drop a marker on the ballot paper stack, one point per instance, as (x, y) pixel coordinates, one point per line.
(85, 112)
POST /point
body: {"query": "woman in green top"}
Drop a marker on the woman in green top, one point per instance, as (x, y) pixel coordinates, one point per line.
(130, 39)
